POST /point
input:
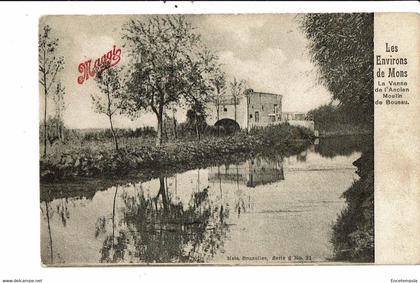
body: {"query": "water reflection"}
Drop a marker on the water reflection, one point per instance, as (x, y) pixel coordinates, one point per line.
(263, 206)
(252, 173)
(48, 211)
(160, 229)
(343, 146)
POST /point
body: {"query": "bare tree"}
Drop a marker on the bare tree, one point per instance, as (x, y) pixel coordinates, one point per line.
(219, 82)
(237, 88)
(170, 66)
(49, 66)
(60, 106)
(109, 81)
(247, 93)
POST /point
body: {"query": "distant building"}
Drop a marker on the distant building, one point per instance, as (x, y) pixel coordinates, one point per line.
(297, 119)
(293, 116)
(253, 109)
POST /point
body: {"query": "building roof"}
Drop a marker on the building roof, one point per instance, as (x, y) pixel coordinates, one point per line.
(265, 93)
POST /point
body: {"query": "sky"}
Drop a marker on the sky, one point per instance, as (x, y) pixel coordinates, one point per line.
(268, 51)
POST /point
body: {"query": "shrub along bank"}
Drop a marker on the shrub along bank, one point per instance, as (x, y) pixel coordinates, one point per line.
(353, 233)
(176, 155)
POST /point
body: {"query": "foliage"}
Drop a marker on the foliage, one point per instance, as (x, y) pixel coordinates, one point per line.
(187, 131)
(353, 233)
(58, 99)
(54, 128)
(104, 135)
(272, 133)
(49, 63)
(341, 46)
(342, 145)
(327, 114)
(60, 107)
(161, 229)
(237, 89)
(170, 66)
(110, 84)
(332, 120)
(218, 80)
(196, 118)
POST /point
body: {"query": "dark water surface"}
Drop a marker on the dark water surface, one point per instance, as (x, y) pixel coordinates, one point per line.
(265, 210)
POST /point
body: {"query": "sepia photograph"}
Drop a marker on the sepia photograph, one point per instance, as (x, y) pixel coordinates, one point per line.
(217, 139)
(210, 141)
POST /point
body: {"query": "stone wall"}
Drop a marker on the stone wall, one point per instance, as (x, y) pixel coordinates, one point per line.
(263, 109)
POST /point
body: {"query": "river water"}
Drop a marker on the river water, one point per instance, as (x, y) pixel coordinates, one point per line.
(270, 210)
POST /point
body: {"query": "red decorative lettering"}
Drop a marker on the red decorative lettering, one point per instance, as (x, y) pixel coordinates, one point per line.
(109, 59)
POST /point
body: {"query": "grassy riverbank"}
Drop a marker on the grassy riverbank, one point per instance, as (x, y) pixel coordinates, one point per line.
(341, 130)
(100, 159)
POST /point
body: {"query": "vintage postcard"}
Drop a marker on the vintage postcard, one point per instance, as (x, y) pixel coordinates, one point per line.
(229, 139)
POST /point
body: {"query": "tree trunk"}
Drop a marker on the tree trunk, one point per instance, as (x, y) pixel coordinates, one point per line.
(198, 180)
(113, 217)
(57, 129)
(217, 118)
(159, 130)
(62, 132)
(162, 192)
(197, 132)
(45, 121)
(113, 133)
(234, 105)
(247, 114)
(164, 129)
(45, 106)
(175, 132)
(60, 128)
(49, 232)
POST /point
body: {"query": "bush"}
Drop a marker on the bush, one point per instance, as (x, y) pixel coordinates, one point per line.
(282, 132)
(106, 134)
(94, 159)
(332, 120)
(353, 233)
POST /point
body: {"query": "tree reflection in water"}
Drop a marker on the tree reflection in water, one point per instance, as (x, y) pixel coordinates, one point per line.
(157, 222)
(342, 146)
(159, 229)
(61, 209)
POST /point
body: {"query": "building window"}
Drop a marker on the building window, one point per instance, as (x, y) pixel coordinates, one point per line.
(257, 117)
(273, 118)
(225, 109)
(275, 108)
(250, 116)
(262, 107)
